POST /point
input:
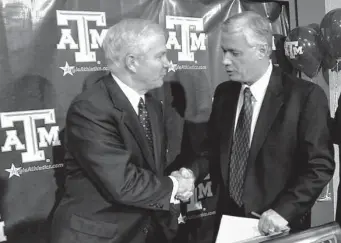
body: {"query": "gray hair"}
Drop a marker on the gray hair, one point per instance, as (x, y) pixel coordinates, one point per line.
(256, 29)
(128, 36)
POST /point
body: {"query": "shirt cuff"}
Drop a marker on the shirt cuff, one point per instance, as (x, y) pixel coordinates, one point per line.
(175, 189)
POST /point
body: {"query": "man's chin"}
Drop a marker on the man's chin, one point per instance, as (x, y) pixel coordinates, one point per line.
(157, 84)
(233, 77)
(160, 81)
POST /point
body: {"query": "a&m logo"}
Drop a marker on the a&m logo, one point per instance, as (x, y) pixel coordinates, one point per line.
(202, 191)
(35, 138)
(195, 208)
(292, 49)
(187, 41)
(89, 39)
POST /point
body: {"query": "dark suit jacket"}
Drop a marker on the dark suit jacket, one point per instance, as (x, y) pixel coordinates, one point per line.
(114, 189)
(291, 156)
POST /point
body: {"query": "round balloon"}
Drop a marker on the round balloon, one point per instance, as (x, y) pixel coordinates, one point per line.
(270, 10)
(330, 35)
(331, 63)
(315, 26)
(302, 50)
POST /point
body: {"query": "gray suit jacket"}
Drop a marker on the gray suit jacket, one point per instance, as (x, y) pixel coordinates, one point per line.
(291, 158)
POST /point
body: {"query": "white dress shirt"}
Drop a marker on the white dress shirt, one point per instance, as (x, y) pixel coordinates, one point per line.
(258, 90)
(134, 99)
(132, 95)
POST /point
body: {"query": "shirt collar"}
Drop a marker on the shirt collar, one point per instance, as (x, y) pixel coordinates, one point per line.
(131, 94)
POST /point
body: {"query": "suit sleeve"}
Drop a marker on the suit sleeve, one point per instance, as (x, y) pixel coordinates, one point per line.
(316, 165)
(94, 138)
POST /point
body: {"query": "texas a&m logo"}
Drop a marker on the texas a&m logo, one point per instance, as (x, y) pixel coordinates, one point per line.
(292, 49)
(88, 39)
(202, 191)
(192, 36)
(36, 138)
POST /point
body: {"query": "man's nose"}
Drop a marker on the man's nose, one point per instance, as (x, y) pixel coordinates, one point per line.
(226, 59)
(166, 62)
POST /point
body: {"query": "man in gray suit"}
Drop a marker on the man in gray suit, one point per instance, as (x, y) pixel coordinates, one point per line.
(269, 148)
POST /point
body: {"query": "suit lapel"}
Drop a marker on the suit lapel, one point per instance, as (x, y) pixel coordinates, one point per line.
(156, 130)
(229, 107)
(129, 118)
(273, 101)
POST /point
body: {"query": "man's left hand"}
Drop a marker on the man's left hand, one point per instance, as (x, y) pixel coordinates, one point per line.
(271, 222)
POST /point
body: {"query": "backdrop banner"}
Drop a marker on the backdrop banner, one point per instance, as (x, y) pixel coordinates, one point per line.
(51, 49)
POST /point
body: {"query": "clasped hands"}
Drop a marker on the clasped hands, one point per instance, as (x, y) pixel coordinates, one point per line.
(185, 178)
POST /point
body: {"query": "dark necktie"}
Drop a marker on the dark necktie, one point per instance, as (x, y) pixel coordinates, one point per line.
(145, 122)
(240, 149)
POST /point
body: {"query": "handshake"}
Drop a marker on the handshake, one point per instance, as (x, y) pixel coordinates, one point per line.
(185, 180)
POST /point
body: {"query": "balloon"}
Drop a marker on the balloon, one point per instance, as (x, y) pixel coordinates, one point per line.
(302, 50)
(278, 54)
(315, 26)
(330, 36)
(328, 62)
(270, 10)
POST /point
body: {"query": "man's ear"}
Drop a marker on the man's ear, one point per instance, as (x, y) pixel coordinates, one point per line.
(262, 51)
(131, 62)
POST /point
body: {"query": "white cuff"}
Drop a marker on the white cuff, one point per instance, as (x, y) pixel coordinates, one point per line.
(175, 189)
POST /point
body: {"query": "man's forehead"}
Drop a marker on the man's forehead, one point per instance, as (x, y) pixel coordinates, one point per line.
(232, 34)
(157, 49)
(232, 38)
(156, 42)
(160, 50)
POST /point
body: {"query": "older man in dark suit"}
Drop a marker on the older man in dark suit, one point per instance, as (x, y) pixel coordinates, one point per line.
(116, 190)
(269, 148)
